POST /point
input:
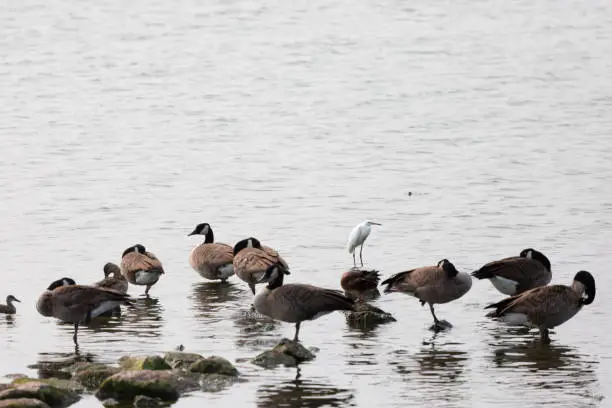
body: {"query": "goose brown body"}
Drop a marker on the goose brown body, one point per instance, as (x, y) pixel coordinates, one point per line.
(140, 267)
(251, 262)
(516, 274)
(546, 307)
(212, 260)
(360, 284)
(295, 302)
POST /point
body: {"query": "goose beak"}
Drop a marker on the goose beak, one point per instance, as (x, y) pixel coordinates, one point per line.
(191, 233)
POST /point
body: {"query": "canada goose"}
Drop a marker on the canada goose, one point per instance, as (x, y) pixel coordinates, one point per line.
(357, 237)
(296, 302)
(360, 284)
(113, 279)
(211, 260)
(72, 303)
(517, 274)
(432, 284)
(140, 267)
(546, 307)
(9, 308)
(251, 260)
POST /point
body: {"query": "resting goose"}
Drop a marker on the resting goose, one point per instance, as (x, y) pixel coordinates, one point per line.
(360, 284)
(212, 260)
(140, 267)
(251, 260)
(78, 304)
(546, 307)
(113, 279)
(432, 285)
(517, 274)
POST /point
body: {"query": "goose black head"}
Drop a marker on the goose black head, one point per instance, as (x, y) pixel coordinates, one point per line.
(247, 243)
(531, 253)
(448, 267)
(204, 229)
(274, 276)
(111, 269)
(61, 282)
(138, 248)
(588, 282)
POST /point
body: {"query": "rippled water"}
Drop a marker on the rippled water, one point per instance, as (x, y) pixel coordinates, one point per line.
(469, 129)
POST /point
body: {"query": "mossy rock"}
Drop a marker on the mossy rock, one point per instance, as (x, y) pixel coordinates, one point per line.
(127, 385)
(53, 396)
(368, 318)
(214, 365)
(178, 359)
(143, 363)
(287, 353)
(23, 403)
(60, 383)
(92, 375)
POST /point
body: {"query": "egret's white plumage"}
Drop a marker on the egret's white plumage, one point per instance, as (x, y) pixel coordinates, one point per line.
(358, 236)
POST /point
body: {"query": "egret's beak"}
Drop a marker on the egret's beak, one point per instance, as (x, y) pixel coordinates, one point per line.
(374, 223)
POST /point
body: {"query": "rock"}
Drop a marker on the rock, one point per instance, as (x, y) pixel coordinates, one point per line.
(178, 359)
(216, 382)
(92, 375)
(110, 402)
(68, 385)
(142, 401)
(214, 365)
(368, 318)
(143, 363)
(23, 403)
(127, 385)
(286, 352)
(50, 394)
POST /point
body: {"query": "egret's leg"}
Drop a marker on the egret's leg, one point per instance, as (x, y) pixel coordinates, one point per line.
(360, 252)
(354, 262)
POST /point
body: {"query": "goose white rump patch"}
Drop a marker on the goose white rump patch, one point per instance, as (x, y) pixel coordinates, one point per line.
(105, 307)
(146, 278)
(505, 286)
(226, 271)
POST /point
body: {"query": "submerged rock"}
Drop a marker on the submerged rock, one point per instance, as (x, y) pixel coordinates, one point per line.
(92, 375)
(52, 395)
(23, 403)
(143, 363)
(216, 382)
(177, 359)
(127, 385)
(365, 315)
(285, 353)
(214, 365)
(142, 401)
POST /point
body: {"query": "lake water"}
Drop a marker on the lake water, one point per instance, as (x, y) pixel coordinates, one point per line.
(470, 129)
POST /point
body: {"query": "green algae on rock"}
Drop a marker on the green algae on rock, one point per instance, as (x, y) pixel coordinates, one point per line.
(214, 365)
(52, 395)
(92, 375)
(143, 363)
(177, 359)
(23, 403)
(287, 353)
(127, 385)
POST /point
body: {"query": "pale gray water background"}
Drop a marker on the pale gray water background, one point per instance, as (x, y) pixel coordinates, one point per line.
(127, 122)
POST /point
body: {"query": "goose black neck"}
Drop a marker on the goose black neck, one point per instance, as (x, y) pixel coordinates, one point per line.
(277, 282)
(210, 237)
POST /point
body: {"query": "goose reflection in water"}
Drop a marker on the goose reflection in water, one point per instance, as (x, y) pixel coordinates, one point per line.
(309, 393)
(211, 298)
(255, 330)
(56, 365)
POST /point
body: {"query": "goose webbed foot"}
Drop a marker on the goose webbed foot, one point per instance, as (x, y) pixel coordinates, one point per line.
(440, 325)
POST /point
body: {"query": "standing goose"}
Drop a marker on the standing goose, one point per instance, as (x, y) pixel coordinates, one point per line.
(252, 260)
(432, 284)
(517, 274)
(546, 307)
(140, 267)
(113, 279)
(211, 260)
(295, 302)
(357, 237)
(360, 284)
(9, 308)
(78, 304)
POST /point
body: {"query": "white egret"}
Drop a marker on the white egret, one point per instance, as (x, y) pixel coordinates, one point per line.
(357, 237)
